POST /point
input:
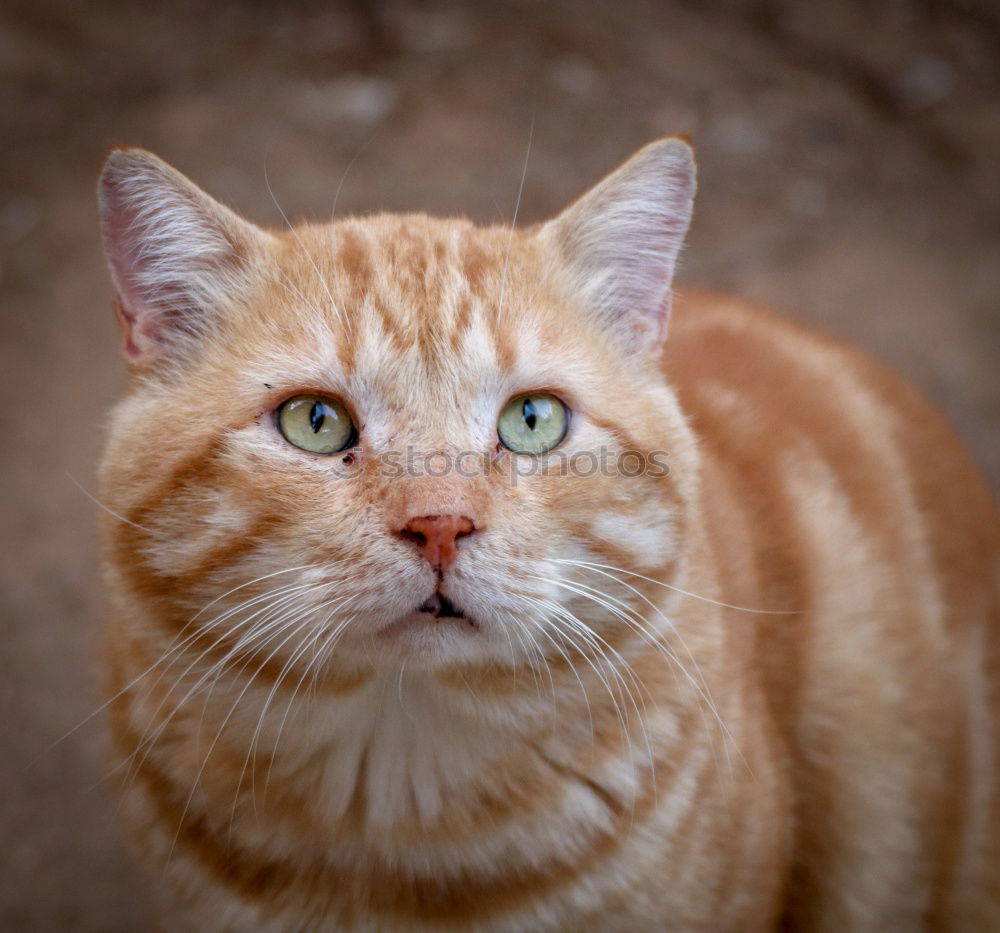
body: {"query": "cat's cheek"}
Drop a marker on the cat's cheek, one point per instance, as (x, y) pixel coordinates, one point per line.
(195, 526)
(649, 543)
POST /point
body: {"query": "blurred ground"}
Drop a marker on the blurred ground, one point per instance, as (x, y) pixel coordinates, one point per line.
(848, 155)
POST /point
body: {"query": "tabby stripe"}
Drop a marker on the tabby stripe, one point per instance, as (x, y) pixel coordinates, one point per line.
(620, 432)
(507, 681)
(278, 881)
(130, 543)
(254, 663)
(503, 343)
(519, 786)
(193, 470)
(462, 323)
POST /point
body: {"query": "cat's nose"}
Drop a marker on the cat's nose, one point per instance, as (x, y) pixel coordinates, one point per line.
(436, 535)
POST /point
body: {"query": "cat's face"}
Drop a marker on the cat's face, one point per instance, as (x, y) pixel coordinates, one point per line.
(397, 439)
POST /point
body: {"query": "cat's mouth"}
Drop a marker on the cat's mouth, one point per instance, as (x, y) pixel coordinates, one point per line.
(439, 606)
(437, 612)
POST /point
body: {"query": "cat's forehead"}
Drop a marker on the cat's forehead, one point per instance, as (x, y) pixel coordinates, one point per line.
(414, 276)
(391, 303)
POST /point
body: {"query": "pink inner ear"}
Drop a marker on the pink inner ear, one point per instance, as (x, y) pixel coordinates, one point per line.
(128, 326)
(621, 240)
(137, 324)
(172, 251)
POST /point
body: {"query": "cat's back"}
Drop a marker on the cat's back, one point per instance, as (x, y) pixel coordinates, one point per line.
(832, 489)
(815, 422)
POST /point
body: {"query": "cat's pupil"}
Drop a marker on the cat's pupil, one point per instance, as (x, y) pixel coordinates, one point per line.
(316, 417)
(530, 414)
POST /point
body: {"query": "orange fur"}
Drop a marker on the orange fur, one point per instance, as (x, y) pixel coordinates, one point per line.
(758, 690)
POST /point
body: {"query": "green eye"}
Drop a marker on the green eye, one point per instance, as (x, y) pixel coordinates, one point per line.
(533, 423)
(319, 425)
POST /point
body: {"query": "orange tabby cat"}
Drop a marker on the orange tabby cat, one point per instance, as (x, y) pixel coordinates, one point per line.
(442, 599)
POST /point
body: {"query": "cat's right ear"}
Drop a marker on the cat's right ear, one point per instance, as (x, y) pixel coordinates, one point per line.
(177, 256)
(620, 242)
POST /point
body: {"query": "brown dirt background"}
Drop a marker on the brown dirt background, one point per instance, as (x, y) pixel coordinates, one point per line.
(850, 175)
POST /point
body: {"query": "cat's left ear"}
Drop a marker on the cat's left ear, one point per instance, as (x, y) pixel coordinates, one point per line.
(178, 258)
(620, 241)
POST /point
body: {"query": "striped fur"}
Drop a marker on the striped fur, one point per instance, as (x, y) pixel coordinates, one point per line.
(760, 690)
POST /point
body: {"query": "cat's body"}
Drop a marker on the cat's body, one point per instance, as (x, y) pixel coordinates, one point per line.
(760, 688)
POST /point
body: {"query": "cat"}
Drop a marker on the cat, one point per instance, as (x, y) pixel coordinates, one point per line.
(467, 578)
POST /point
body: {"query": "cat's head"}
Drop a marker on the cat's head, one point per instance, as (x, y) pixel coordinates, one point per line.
(397, 437)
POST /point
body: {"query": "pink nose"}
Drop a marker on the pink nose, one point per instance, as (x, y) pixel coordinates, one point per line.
(436, 535)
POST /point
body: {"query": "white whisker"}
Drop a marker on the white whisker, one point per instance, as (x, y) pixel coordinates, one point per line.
(302, 246)
(677, 589)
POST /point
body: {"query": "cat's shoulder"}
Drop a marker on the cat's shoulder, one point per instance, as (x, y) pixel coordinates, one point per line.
(724, 347)
(776, 403)
(704, 323)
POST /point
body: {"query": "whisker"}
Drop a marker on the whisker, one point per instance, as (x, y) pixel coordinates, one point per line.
(170, 649)
(155, 730)
(513, 223)
(267, 622)
(106, 508)
(276, 598)
(289, 665)
(601, 646)
(700, 685)
(302, 246)
(218, 735)
(655, 641)
(677, 589)
(325, 653)
(527, 640)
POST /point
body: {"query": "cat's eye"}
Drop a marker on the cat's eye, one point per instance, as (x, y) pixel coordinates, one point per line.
(533, 424)
(316, 423)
